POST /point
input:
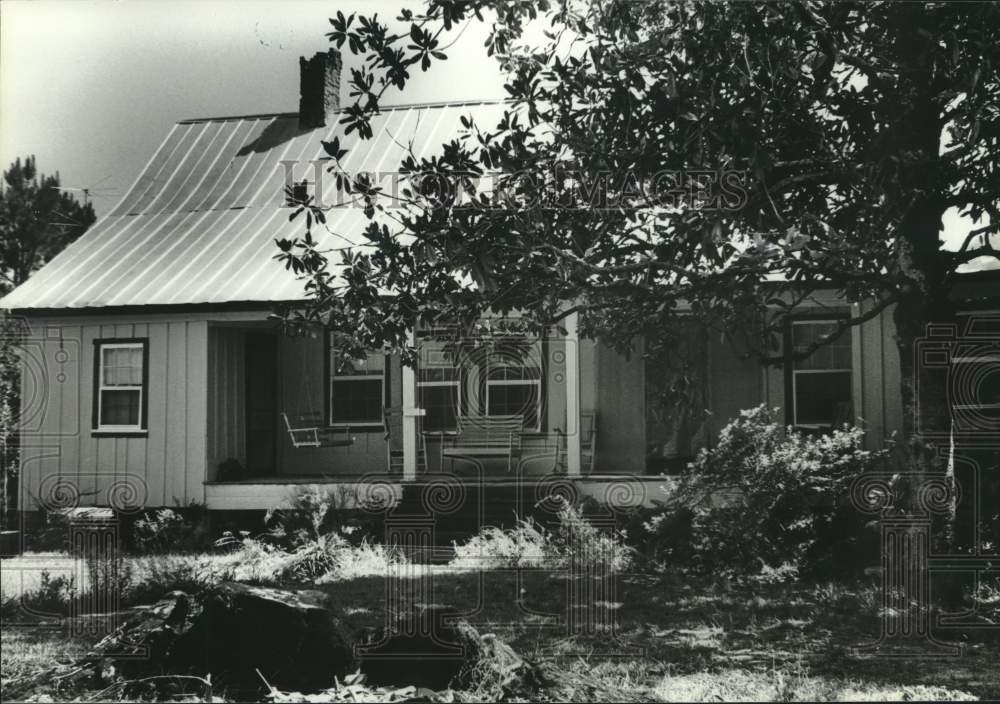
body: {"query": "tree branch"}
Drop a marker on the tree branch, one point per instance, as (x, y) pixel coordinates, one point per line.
(842, 325)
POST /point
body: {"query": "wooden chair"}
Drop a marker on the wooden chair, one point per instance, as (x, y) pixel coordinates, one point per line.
(485, 436)
(309, 430)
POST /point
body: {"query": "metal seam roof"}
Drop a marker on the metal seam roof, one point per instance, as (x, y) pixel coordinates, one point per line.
(199, 223)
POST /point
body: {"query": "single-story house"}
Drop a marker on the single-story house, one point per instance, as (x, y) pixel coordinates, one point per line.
(155, 373)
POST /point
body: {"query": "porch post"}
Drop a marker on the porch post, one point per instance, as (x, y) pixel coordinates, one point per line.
(572, 397)
(410, 412)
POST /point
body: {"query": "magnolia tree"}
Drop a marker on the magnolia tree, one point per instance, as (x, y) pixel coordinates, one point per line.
(661, 160)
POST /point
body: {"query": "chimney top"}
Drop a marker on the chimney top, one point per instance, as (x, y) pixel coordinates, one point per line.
(319, 88)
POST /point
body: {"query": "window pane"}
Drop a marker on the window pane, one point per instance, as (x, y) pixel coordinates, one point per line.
(439, 404)
(122, 366)
(120, 407)
(373, 364)
(527, 373)
(439, 374)
(357, 400)
(833, 355)
(823, 398)
(514, 399)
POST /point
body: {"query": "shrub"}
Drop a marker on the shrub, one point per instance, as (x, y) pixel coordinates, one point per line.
(496, 548)
(249, 559)
(52, 596)
(767, 496)
(364, 560)
(574, 540)
(52, 535)
(671, 542)
(314, 558)
(325, 558)
(109, 575)
(314, 511)
(155, 576)
(172, 531)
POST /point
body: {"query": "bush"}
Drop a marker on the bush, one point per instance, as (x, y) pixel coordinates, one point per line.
(574, 540)
(51, 597)
(155, 576)
(768, 497)
(496, 548)
(51, 535)
(364, 560)
(314, 511)
(327, 558)
(322, 536)
(172, 531)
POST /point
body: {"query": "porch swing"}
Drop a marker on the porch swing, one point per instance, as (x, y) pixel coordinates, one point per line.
(309, 429)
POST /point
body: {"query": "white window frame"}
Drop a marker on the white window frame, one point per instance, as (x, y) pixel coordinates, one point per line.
(537, 383)
(454, 383)
(101, 387)
(334, 378)
(796, 372)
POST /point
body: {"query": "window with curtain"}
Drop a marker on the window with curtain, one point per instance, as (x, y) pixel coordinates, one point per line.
(120, 385)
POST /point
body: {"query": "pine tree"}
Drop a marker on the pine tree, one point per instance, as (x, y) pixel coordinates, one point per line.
(37, 220)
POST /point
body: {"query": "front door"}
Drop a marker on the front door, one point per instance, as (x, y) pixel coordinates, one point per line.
(261, 403)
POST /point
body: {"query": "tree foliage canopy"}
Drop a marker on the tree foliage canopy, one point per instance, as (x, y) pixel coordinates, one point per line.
(660, 157)
(37, 220)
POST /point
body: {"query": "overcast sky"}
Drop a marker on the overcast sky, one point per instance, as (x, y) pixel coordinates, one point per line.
(92, 87)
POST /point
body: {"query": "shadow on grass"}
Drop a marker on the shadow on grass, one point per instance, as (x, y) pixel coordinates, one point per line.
(672, 635)
(677, 624)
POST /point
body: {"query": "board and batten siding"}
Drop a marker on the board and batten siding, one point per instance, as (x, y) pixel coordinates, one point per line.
(875, 377)
(164, 467)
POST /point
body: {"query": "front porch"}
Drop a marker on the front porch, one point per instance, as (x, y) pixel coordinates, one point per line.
(376, 417)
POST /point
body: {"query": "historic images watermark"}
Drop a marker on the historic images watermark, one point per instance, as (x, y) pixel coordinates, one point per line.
(555, 189)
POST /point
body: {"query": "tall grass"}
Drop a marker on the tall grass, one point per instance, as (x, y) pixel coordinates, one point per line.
(574, 542)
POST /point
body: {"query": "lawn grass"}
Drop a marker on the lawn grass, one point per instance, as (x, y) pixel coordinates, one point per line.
(680, 638)
(676, 637)
(25, 651)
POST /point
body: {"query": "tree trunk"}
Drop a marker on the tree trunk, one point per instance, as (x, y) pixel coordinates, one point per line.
(923, 269)
(923, 381)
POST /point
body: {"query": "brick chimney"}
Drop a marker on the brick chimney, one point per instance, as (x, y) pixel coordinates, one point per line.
(319, 88)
